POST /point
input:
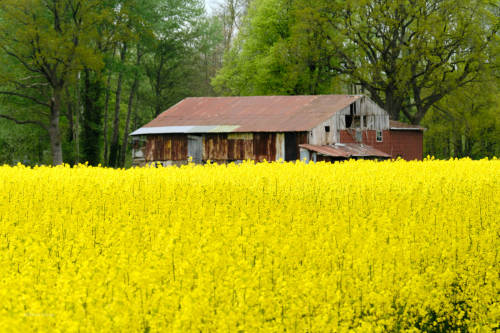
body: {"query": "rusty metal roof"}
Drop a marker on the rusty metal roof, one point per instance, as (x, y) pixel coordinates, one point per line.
(397, 125)
(346, 150)
(248, 114)
(185, 129)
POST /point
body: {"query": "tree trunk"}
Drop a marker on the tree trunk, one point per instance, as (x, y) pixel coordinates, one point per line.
(115, 146)
(133, 91)
(92, 92)
(54, 130)
(106, 108)
(105, 130)
(392, 105)
(127, 122)
(158, 106)
(420, 114)
(71, 120)
(76, 131)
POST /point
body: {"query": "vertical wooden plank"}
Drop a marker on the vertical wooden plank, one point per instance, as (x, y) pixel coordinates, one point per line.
(184, 149)
(248, 150)
(205, 147)
(231, 149)
(271, 147)
(161, 147)
(148, 156)
(168, 152)
(158, 147)
(195, 146)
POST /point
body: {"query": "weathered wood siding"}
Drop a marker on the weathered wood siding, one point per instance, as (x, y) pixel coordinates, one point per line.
(195, 148)
(280, 146)
(166, 147)
(319, 135)
(215, 147)
(221, 147)
(264, 146)
(370, 115)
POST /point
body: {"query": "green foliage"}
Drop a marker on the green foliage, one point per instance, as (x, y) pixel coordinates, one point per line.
(407, 54)
(27, 144)
(410, 56)
(466, 123)
(170, 64)
(92, 95)
(48, 43)
(60, 68)
(257, 64)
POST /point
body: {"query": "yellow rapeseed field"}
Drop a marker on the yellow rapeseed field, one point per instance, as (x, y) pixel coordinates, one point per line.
(365, 246)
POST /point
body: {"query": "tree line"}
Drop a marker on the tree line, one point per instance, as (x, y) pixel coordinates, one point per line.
(84, 73)
(77, 76)
(428, 62)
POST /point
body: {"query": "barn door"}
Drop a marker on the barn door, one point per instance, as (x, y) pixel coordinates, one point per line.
(291, 150)
(195, 145)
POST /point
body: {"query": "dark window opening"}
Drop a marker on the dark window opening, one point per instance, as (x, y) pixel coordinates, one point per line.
(348, 121)
(379, 136)
(327, 129)
(352, 109)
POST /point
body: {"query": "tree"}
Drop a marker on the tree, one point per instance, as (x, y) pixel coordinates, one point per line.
(67, 65)
(411, 54)
(231, 14)
(169, 65)
(408, 54)
(47, 42)
(253, 65)
(92, 98)
(466, 123)
(281, 49)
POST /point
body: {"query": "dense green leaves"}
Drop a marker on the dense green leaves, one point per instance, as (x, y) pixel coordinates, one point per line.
(90, 71)
(407, 54)
(413, 57)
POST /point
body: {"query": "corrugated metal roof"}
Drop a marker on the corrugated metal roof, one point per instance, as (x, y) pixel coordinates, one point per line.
(249, 114)
(346, 150)
(184, 129)
(397, 125)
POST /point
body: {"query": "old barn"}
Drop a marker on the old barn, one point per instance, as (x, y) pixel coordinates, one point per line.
(232, 129)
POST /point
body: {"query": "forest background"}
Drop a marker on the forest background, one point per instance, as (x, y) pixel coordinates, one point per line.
(77, 76)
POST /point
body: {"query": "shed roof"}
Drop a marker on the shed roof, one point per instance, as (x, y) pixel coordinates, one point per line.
(346, 150)
(397, 125)
(247, 114)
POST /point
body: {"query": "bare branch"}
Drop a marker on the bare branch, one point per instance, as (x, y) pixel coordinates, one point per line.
(33, 99)
(24, 122)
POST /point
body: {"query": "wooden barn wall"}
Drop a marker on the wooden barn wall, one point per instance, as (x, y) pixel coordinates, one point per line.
(215, 147)
(405, 144)
(302, 138)
(234, 147)
(239, 149)
(374, 117)
(166, 147)
(264, 146)
(221, 147)
(319, 135)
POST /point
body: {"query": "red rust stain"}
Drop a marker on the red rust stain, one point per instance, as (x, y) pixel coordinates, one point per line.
(255, 113)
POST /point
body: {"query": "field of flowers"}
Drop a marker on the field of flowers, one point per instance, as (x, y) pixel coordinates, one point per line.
(369, 246)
